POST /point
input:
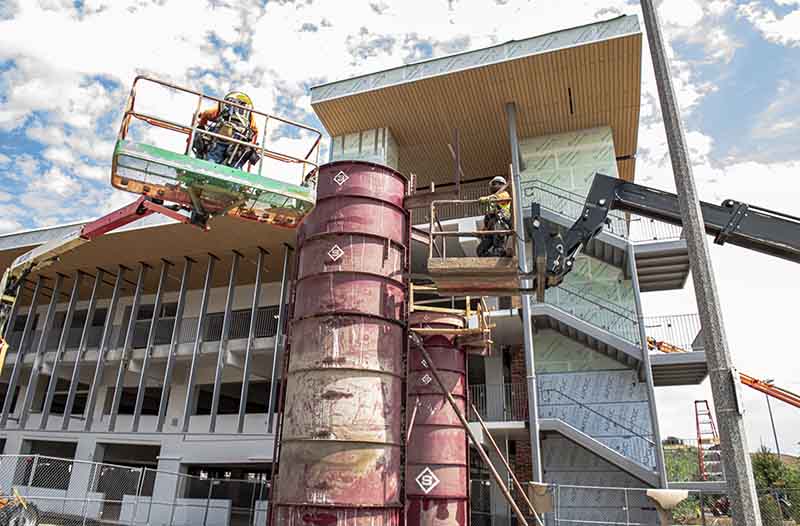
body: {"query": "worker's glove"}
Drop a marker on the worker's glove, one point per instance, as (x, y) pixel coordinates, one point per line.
(485, 199)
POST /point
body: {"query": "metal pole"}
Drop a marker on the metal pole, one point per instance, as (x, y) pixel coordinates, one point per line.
(126, 348)
(774, 433)
(173, 345)
(723, 376)
(527, 320)
(648, 370)
(76, 368)
(62, 347)
(19, 357)
(38, 357)
(223, 342)
(511, 474)
(273, 389)
(148, 349)
(251, 336)
(198, 344)
(108, 329)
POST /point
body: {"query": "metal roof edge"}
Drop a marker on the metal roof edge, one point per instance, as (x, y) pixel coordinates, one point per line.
(37, 236)
(398, 75)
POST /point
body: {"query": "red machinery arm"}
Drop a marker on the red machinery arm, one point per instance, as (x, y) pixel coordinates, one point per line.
(771, 390)
(48, 253)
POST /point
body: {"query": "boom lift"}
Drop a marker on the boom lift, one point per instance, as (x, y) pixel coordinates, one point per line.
(733, 222)
(195, 189)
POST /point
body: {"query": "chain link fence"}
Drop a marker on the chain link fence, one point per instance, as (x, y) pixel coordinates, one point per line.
(79, 493)
(575, 505)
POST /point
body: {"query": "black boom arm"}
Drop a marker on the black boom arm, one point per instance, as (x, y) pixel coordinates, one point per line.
(731, 222)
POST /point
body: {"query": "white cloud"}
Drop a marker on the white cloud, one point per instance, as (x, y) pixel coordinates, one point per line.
(782, 30)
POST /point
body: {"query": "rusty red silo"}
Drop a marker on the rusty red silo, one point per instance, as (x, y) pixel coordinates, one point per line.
(342, 430)
(437, 453)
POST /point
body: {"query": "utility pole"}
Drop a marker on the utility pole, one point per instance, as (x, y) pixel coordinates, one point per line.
(723, 375)
(772, 420)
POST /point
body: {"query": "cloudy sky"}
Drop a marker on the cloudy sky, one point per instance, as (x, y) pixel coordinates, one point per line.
(66, 66)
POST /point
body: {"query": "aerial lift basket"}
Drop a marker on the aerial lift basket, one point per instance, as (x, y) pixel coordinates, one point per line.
(207, 188)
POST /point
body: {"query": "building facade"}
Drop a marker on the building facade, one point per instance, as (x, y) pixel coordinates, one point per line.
(160, 345)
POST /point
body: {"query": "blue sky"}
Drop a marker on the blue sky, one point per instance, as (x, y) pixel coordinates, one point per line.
(735, 67)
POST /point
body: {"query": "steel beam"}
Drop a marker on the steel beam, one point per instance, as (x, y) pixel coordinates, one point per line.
(223, 342)
(76, 369)
(723, 375)
(62, 347)
(251, 336)
(19, 357)
(648, 369)
(33, 379)
(278, 347)
(126, 347)
(108, 329)
(151, 338)
(527, 318)
(198, 344)
(173, 345)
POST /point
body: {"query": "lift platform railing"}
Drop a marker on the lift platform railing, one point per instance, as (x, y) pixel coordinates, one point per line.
(208, 188)
(441, 234)
(309, 162)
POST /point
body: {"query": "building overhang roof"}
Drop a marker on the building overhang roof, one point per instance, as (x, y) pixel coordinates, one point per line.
(573, 79)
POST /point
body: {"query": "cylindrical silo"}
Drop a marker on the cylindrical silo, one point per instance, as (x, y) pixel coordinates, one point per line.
(437, 461)
(341, 438)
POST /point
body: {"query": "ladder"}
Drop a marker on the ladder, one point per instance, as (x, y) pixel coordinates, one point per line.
(709, 455)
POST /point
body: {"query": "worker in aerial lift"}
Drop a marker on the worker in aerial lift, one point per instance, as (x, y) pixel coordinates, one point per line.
(498, 217)
(232, 121)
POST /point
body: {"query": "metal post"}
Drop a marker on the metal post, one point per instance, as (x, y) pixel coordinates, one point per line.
(18, 358)
(772, 421)
(62, 347)
(173, 344)
(33, 379)
(76, 369)
(126, 348)
(273, 388)
(251, 335)
(198, 344)
(211, 483)
(108, 329)
(151, 339)
(496, 448)
(33, 470)
(648, 369)
(223, 342)
(527, 319)
(723, 376)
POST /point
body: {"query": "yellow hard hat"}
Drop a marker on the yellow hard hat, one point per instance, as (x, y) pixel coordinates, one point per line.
(240, 97)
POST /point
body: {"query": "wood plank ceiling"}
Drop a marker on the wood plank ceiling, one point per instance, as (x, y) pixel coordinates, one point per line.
(579, 87)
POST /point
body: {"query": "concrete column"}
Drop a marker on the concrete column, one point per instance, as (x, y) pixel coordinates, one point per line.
(166, 490)
(723, 375)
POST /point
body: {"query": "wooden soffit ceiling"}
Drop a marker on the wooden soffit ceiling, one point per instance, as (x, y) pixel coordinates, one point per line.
(574, 79)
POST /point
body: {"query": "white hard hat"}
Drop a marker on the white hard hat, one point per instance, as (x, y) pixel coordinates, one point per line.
(498, 179)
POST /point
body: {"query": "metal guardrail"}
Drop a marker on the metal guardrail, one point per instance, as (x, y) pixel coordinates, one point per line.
(596, 310)
(76, 493)
(678, 330)
(266, 327)
(560, 201)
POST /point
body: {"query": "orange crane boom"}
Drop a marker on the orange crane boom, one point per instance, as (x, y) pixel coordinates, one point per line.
(769, 389)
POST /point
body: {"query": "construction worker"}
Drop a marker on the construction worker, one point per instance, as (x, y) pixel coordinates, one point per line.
(498, 217)
(232, 121)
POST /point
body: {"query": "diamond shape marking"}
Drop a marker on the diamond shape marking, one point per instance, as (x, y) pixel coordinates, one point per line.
(335, 253)
(340, 178)
(426, 379)
(427, 480)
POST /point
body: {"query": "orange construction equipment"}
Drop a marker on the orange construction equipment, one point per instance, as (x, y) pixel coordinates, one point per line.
(709, 455)
(770, 389)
